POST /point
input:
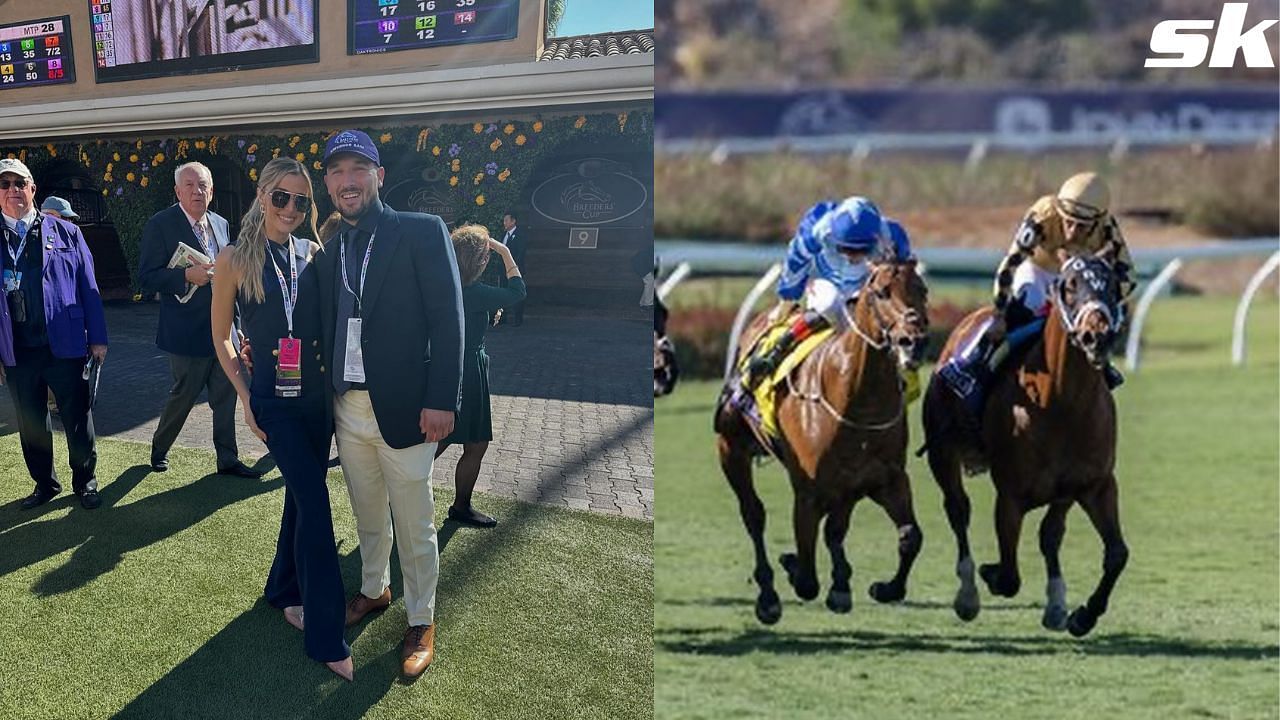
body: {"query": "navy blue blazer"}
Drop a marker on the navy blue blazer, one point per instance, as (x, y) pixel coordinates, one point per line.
(412, 322)
(74, 318)
(185, 328)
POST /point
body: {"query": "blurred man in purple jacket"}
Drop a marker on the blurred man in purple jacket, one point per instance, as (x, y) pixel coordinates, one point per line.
(51, 325)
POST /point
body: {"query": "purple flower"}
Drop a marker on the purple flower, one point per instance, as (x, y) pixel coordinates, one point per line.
(145, 167)
(240, 143)
(119, 191)
(251, 159)
(454, 150)
(491, 168)
(491, 129)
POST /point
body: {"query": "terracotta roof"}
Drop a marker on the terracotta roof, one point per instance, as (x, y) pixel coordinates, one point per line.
(635, 42)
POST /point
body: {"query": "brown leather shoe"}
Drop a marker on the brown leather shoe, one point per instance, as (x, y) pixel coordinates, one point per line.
(361, 605)
(419, 649)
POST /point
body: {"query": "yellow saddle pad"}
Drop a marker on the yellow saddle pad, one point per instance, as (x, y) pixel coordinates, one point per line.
(766, 392)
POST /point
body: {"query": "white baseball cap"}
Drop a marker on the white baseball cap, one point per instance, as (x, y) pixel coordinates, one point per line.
(17, 167)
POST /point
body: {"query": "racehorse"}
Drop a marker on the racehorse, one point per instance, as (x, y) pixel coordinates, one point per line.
(1048, 435)
(665, 369)
(842, 418)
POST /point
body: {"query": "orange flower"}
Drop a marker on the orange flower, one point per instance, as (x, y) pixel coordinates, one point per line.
(252, 149)
(314, 148)
(520, 139)
(455, 165)
(385, 138)
(453, 181)
(436, 151)
(115, 156)
(480, 199)
(145, 181)
(582, 120)
(497, 143)
(317, 165)
(509, 129)
(133, 158)
(477, 128)
(130, 177)
(159, 158)
(537, 126)
(200, 145)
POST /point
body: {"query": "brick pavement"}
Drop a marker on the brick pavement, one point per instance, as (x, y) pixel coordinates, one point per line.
(572, 408)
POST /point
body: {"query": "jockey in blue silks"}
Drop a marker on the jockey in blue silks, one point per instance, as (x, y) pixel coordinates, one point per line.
(827, 264)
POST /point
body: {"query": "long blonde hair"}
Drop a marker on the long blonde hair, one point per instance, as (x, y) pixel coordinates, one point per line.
(471, 248)
(250, 251)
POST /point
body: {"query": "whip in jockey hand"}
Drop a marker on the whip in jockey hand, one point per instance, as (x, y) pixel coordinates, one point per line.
(1077, 221)
(826, 264)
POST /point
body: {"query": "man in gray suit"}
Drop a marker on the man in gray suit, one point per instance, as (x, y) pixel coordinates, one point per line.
(184, 332)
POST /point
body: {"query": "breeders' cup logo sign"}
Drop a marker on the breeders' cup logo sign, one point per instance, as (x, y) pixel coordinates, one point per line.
(820, 114)
(1190, 41)
(590, 192)
(428, 193)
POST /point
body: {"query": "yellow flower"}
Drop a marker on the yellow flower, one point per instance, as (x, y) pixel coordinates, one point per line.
(200, 145)
(622, 121)
(133, 158)
(253, 174)
(479, 177)
(317, 165)
(537, 126)
(385, 138)
(436, 151)
(314, 148)
(521, 139)
(497, 143)
(582, 120)
(455, 165)
(509, 129)
(159, 158)
(115, 156)
(477, 128)
(137, 297)
(293, 141)
(453, 181)
(110, 166)
(480, 199)
(252, 149)
(104, 192)
(275, 153)
(145, 181)
(107, 176)
(138, 145)
(130, 177)
(300, 157)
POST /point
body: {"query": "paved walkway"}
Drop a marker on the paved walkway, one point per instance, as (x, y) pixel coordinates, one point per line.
(572, 408)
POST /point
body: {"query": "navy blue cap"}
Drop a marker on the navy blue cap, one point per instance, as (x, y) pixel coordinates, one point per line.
(351, 141)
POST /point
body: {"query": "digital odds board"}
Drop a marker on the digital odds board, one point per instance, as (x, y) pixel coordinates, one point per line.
(36, 53)
(384, 25)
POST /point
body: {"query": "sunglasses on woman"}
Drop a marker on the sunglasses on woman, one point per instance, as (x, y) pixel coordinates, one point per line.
(280, 199)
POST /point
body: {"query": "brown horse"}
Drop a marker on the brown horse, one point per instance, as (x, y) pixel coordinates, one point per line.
(1049, 438)
(844, 437)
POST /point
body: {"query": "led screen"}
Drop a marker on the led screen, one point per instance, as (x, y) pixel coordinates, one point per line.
(135, 39)
(36, 53)
(382, 25)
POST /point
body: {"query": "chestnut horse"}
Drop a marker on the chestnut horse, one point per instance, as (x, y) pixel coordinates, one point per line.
(842, 416)
(1049, 438)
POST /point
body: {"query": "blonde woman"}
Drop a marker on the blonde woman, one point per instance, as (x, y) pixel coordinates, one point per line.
(270, 272)
(473, 428)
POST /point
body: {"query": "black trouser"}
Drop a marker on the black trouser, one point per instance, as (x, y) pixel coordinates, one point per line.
(36, 373)
(190, 376)
(305, 570)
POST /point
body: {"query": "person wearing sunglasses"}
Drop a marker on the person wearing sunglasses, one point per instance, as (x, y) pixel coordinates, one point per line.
(1075, 221)
(183, 331)
(51, 322)
(271, 274)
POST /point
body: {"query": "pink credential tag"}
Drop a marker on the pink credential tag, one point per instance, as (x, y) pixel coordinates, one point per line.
(289, 368)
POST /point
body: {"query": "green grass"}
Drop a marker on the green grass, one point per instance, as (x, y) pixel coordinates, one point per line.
(150, 607)
(1193, 626)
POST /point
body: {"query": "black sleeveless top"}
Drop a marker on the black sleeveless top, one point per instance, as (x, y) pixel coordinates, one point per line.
(264, 323)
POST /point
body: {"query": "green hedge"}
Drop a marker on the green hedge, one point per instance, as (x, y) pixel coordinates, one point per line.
(489, 162)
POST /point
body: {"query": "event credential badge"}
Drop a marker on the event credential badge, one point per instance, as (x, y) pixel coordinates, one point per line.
(289, 368)
(353, 363)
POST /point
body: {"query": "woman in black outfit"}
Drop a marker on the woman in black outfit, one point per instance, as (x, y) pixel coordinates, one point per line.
(473, 427)
(270, 273)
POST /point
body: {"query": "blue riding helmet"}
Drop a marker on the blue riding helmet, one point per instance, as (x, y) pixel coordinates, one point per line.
(898, 239)
(854, 224)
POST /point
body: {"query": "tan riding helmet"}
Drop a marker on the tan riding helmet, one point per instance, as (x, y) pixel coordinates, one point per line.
(1084, 197)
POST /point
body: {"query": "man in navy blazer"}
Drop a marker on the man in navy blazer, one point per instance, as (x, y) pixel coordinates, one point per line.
(391, 316)
(51, 325)
(184, 332)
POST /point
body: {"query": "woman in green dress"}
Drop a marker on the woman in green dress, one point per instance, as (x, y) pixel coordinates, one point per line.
(473, 428)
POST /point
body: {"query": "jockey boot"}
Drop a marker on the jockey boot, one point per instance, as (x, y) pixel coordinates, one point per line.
(762, 366)
(1112, 376)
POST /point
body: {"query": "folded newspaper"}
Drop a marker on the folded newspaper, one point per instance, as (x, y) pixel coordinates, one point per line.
(184, 257)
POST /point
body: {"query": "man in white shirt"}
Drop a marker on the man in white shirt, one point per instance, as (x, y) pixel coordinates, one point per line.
(184, 331)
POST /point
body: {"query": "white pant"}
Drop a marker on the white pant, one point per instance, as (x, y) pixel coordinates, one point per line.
(389, 486)
(1031, 285)
(825, 297)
